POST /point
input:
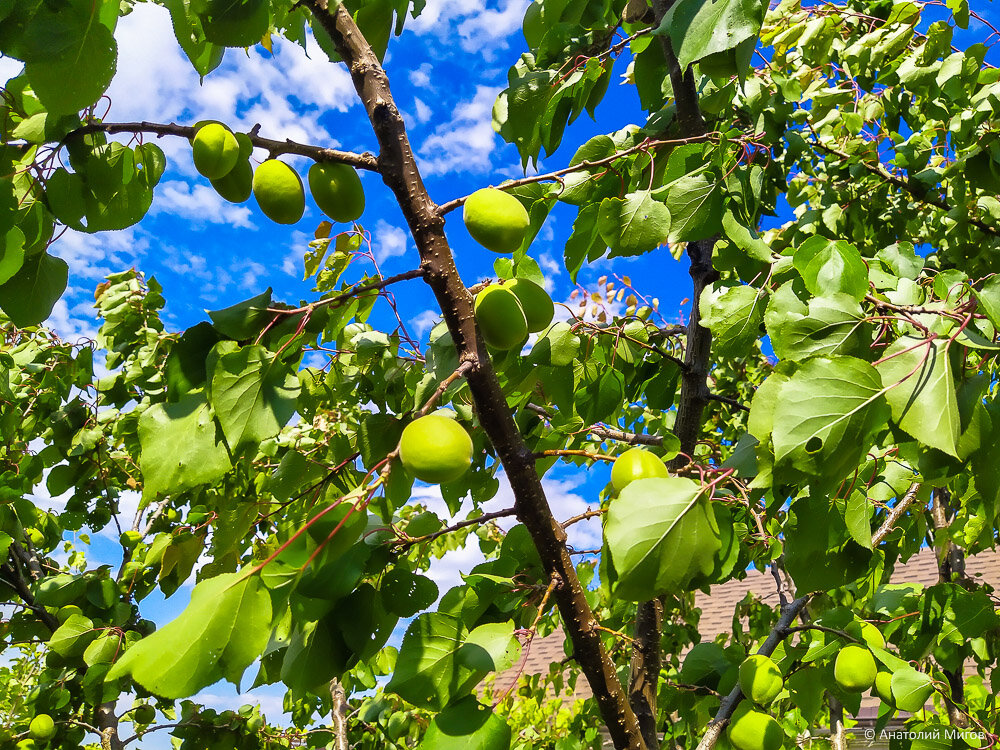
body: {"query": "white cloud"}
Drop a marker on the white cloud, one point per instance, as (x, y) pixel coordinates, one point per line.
(466, 142)
(423, 112)
(478, 29)
(199, 204)
(292, 263)
(421, 77)
(425, 321)
(95, 256)
(388, 241)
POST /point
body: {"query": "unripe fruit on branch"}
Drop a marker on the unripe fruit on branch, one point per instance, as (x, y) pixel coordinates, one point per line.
(337, 190)
(215, 150)
(865, 631)
(760, 679)
(754, 730)
(855, 669)
(501, 320)
(883, 688)
(496, 220)
(42, 727)
(237, 186)
(636, 463)
(535, 302)
(144, 714)
(279, 193)
(435, 449)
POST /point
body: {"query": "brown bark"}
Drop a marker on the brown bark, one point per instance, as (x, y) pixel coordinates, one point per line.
(338, 716)
(400, 173)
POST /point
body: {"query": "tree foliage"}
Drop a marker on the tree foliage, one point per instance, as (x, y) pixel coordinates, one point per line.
(274, 484)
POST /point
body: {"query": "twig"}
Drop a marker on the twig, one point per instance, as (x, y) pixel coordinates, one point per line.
(895, 514)
(274, 148)
(727, 400)
(573, 452)
(485, 518)
(415, 273)
(584, 516)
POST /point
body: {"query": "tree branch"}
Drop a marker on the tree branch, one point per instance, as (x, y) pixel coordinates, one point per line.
(485, 518)
(338, 715)
(921, 196)
(400, 173)
(415, 273)
(274, 148)
(646, 145)
(895, 514)
(778, 633)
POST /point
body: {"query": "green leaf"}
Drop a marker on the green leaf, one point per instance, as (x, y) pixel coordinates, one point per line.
(634, 225)
(218, 635)
(180, 449)
(827, 326)
(73, 76)
(244, 320)
(858, 517)
(661, 534)
(698, 28)
(73, 636)
(829, 267)
(204, 56)
(911, 689)
(695, 206)
(11, 254)
(467, 725)
(734, 316)
(30, 294)
(745, 239)
(921, 392)
(824, 414)
(584, 242)
(989, 299)
(440, 660)
(253, 395)
(184, 370)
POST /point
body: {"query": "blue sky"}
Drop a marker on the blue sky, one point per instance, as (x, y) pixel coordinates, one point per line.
(445, 72)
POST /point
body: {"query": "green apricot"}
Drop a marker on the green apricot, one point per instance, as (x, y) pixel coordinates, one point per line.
(279, 193)
(237, 186)
(435, 449)
(68, 611)
(500, 317)
(865, 631)
(883, 688)
(215, 150)
(42, 727)
(535, 302)
(337, 190)
(760, 679)
(496, 220)
(636, 463)
(233, 23)
(855, 669)
(144, 714)
(754, 730)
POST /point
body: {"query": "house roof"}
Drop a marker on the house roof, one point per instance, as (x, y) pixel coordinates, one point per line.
(718, 605)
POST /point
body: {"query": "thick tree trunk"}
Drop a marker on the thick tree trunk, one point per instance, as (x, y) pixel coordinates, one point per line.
(400, 173)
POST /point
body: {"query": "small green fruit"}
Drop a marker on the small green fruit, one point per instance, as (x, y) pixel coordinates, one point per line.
(496, 220)
(636, 463)
(337, 190)
(42, 727)
(130, 539)
(535, 302)
(754, 730)
(760, 679)
(237, 186)
(435, 449)
(215, 150)
(279, 192)
(865, 631)
(883, 688)
(144, 714)
(855, 669)
(27, 744)
(500, 317)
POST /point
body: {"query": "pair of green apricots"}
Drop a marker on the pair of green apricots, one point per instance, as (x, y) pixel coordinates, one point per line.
(760, 680)
(435, 448)
(224, 158)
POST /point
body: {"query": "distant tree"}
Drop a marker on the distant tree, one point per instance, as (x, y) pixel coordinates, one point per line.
(873, 435)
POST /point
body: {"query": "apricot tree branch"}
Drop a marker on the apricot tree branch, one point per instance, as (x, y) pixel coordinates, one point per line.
(778, 633)
(274, 148)
(355, 291)
(646, 145)
(399, 170)
(485, 518)
(895, 514)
